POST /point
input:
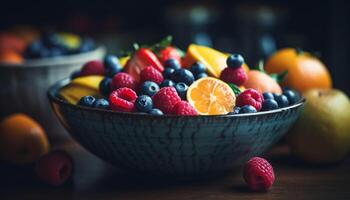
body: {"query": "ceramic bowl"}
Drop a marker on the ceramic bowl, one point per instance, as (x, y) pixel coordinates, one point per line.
(23, 87)
(180, 146)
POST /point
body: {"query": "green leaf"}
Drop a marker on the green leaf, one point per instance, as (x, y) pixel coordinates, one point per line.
(136, 46)
(234, 88)
(279, 77)
(161, 44)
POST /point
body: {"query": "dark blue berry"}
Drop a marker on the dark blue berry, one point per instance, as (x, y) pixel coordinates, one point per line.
(183, 75)
(33, 49)
(167, 72)
(87, 101)
(198, 68)
(291, 95)
(55, 52)
(149, 88)
(167, 83)
(44, 52)
(235, 61)
(144, 103)
(235, 111)
(75, 74)
(247, 109)
(101, 103)
(86, 45)
(172, 63)
(155, 111)
(105, 86)
(269, 104)
(282, 100)
(112, 65)
(268, 95)
(201, 75)
(181, 89)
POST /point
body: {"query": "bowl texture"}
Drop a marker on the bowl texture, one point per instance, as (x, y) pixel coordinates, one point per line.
(24, 87)
(180, 146)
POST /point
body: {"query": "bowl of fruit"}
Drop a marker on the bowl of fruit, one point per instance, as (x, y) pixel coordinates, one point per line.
(28, 68)
(177, 114)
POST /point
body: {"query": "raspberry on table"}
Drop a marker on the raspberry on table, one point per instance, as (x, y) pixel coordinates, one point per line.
(151, 74)
(236, 76)
(250, 97)
(121, 80)
(166, 99)
(122, 99)
(258, 174)
(94, 67)
(184, 108)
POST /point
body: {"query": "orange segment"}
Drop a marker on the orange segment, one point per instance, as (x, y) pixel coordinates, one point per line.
(211, 96)
(214, 60)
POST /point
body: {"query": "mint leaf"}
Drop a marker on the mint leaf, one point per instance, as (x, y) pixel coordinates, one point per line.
(234, 88)
(279, 77)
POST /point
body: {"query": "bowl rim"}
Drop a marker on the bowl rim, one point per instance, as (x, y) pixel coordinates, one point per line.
(55, 61)
(53, 90)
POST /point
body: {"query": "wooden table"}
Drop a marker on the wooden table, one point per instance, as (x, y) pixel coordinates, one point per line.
(95, 179)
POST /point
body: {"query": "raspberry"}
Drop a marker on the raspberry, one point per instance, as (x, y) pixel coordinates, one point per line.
(94, 67)
(121, 80)
(166, 99)
(151, 74)
(250, 97)
(258, 174)
(234, 75)
(184, 108)
(122, 99)
(54, 168)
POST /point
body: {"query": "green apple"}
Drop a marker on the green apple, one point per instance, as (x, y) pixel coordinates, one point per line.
(322, 133)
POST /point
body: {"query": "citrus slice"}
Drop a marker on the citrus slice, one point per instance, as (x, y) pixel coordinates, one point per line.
(211, 96)
(214, 60)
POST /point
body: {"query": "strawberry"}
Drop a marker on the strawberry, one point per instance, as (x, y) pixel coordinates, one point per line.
(169, 52)
(141, 59)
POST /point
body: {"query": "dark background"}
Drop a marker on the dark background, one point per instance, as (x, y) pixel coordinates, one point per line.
(254, 28)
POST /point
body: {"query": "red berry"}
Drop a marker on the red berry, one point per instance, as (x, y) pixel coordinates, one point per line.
(169, 52)
(184, 108)
(258, 174)
(121, 80)
(234, 75)
(54, 168)
(165, 99)
(94, 67)
(250, 97)
(151, 74)
(122, 99)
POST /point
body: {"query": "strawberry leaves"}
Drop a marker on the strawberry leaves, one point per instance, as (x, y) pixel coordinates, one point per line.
(234, 88)
(278, 77)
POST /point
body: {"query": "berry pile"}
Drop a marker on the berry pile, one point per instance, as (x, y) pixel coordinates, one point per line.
(154, 81)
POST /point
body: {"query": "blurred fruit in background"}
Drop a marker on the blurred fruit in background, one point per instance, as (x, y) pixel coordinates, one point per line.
(12, 57)
(22, 139)
(26, 33)
(322, 133)
(262, 82)
(11, 42)
(304, 70)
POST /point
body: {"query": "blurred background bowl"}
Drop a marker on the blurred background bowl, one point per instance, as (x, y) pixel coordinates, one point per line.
(24, 86)
(179, 146)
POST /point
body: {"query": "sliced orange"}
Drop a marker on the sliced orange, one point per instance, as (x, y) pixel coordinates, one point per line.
(214, 60)
(211, 96)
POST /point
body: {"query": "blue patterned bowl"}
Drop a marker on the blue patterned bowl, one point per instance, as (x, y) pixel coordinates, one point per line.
(181, 146)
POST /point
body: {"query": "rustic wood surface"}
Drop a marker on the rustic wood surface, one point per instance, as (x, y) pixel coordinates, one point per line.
(95, 179)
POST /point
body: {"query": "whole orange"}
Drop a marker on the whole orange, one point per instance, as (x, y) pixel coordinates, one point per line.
(262, 82)
(304, 70)
(22, 140)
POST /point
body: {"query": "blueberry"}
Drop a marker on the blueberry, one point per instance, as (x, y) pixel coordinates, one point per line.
(198, 68)
(181, 89)
(144, 103)
(235, 60)
(247, 109)
(183, 75)
(282, 100)
(33, 49)
(44, 52)
(112, 65)
(172, 63)
(87, 101)
(201, 75)
(105, 86)
(269, 104)
(291, 95)
(167, 83)
(75, 74)
(155, 111)
(55, 52)
(268, 95)
(149, 88)
(235, 111)
(101, 103)
(167, 72)
(86, 45)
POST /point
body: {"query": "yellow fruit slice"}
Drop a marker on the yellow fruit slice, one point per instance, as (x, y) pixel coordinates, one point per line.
(123, 60)
(211, 96)
(73, 41)
(92, 82)
(214, 60)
